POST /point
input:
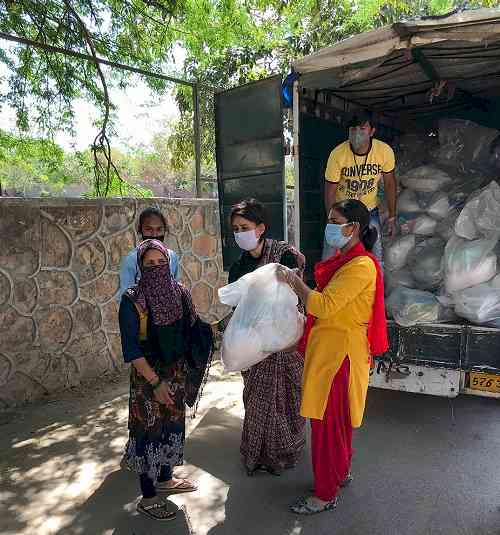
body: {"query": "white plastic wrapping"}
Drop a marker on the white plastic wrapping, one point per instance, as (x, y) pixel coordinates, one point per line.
(480, 304)
(468, 263)
(464, 187)
(480, 217)
(410, 307)
(424, 198)
(396, 253)
(427, 265)
(425, 179)
(445, 228)
(393, 279)
(408, 203)
(424, 225)
(266, 319)
(439, 206)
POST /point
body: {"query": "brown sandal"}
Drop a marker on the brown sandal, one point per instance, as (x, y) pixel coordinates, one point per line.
(181, 487)
(156, 511)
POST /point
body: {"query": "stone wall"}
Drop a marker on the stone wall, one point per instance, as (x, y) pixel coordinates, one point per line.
(59, 263)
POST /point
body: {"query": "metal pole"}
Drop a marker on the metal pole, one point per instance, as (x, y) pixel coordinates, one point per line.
(197, 140)
(296, 162)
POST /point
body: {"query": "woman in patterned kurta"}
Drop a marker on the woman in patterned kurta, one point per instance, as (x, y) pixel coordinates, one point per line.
(273, 431)
(157, 324)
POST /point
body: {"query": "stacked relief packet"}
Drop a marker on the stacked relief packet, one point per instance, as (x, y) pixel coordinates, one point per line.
(443, 265)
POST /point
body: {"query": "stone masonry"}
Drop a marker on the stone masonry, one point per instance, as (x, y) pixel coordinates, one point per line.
(59, 264)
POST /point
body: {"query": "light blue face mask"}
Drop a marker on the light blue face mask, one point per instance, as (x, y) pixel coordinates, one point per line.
(334, 236)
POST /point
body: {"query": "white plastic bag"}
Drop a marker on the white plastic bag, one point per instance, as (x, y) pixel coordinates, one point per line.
(468, 263)
(408, 203)
(393, 279)
(424, 226)
(411, 307)
(425, 178)
(480, 217)
(231, 294)
(479, 304)
(396, 253)
(266, 319)
(439, 206)
(426, 264)
(446, 227)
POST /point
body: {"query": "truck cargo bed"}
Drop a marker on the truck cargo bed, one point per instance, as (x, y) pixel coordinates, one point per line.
(454, 346)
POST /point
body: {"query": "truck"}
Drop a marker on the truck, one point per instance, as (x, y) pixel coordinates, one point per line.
(399, 72)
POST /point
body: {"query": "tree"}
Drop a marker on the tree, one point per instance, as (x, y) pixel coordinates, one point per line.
(43, 85)
(267, 36)
(26, 161)
(30, 165)
(226, 42)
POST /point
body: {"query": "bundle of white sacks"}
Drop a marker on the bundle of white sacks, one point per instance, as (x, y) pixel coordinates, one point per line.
(266, 319)
(444, 264)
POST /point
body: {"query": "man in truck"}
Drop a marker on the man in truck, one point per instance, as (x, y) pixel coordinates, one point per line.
(354, 171)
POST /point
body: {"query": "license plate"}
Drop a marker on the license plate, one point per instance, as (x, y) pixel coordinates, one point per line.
(484, 381)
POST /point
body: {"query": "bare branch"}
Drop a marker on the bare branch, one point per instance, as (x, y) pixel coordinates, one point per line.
(101, 148)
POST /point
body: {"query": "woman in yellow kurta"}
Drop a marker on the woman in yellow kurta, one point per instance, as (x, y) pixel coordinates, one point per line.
(346, 326)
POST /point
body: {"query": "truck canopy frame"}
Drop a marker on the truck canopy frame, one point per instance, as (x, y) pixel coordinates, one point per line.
(411, 69)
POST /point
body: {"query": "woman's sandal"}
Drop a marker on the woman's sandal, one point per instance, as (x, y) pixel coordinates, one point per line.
(156, 511)
(303, 507)
(263, 468)
(181, 487)
(252, 471)
(347, 481)
(274, 471)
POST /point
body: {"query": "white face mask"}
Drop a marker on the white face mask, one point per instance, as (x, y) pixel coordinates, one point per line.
(358, 138)
(248, 240)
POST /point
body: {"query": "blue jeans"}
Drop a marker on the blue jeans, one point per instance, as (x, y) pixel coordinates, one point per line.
(377, 248)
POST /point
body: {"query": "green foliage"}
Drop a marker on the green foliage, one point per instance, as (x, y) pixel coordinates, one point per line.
(25, 162)
(236, 42)
(226, 42)
(121, 188)
(31, 165)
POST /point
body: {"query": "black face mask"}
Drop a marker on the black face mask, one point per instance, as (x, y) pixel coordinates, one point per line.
(159, 238)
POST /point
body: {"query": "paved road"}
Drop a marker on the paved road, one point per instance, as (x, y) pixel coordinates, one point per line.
(422, 465)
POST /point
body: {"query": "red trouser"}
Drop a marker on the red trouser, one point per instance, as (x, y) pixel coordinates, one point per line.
(331, 439)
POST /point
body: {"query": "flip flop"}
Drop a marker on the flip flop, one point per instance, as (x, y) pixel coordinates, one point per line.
(305, 508)
(157, 511)
(274, 471)
(181, 487)
(263, 468)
